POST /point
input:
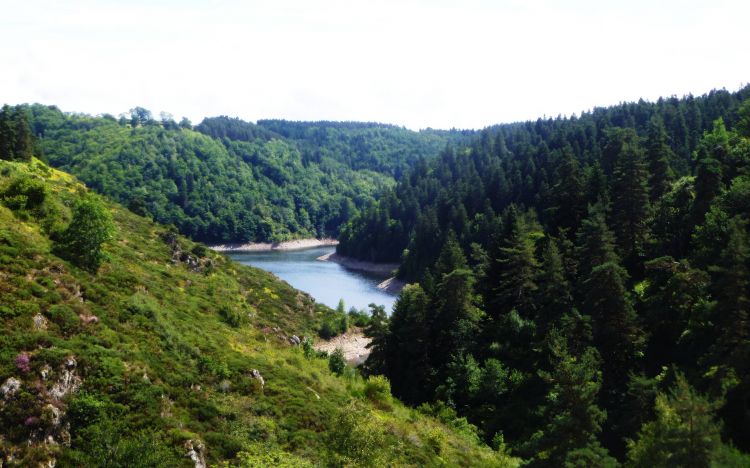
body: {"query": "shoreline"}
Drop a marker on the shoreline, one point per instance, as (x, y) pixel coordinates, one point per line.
(297, 244)
(361, 265)
(392, 285)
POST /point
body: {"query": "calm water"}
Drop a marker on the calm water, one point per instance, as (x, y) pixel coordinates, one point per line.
(327, 282)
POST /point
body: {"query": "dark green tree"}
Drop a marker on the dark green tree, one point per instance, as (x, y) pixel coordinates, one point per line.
(630, 201)
(83, 240)
(23, 144)
(407, 346)
(573, 418)
(377, 331)
(659, 156)
(684, 433)
(7, 133)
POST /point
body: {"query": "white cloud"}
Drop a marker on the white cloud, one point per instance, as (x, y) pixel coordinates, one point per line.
(417, 63)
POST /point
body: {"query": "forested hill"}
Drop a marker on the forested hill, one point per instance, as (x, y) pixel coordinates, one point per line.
(582, 284)
(363, 145)
(126, 345)
(229, 180)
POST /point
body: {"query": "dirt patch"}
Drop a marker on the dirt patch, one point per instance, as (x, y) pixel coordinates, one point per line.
(353, 343)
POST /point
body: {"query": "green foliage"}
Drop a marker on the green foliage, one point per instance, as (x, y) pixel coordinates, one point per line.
(64, 317)
(683, 434)
(15, 135)
(232, 181)
(356, 438)
(82, 241)
(378, 391)
(336, 362)
(624, 230)
(232, 315)
(24, 193)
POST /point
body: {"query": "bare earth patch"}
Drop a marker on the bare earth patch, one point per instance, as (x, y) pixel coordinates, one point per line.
(353, 343)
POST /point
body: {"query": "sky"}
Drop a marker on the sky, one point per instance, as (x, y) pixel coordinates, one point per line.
(416, 63)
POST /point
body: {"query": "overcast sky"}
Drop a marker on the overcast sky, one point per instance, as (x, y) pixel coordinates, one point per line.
(418, 63)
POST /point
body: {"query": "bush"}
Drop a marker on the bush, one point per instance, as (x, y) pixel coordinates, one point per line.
(24, 193)
(358, 318)
(307, 348)
(232, 316)
(336, 362)
(378, 391)
(64, 317)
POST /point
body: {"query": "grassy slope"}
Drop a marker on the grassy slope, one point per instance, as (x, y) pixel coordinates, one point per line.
(162, 366)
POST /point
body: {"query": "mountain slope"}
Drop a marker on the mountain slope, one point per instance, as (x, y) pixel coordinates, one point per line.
(233, 181)
(171, 354)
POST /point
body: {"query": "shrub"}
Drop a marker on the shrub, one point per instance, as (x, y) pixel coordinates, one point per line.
(24, 193)
(336, 362)
(307, 348)
(64, 317)
(378, 391)
(232, 316)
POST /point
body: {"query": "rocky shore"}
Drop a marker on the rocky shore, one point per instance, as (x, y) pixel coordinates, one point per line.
(297, 244)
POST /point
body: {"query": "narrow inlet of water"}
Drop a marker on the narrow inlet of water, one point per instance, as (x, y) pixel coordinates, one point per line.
(327, 282)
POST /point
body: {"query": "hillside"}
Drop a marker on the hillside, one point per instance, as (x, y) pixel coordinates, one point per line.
(230, 180)
(581, 284)
(159, 352)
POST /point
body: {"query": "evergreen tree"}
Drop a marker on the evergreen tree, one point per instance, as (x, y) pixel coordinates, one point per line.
(596, 243)
(7, 134)
(659, 155)
(684, 433)
(510, 280)
(732, 291)
(455, 324)
(573, 418)
(406, 347)
(22, 149)
(377, 331)
(553, 297)
(630, 201)
(711, 155)
(568, 206)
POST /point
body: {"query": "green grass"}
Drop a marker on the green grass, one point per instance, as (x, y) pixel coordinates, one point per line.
(169, 358)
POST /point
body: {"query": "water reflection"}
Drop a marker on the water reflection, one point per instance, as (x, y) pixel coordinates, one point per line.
(327, 282)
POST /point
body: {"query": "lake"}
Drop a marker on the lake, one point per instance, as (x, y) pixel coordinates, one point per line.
(327, 282)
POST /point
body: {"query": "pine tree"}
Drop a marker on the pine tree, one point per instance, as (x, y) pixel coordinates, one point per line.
(22, 149)
(377, 331)
(731, 287)
(573, 418)
(711, 155)
(684, 433)
(596, 243)
(568, 206)
(455, 325)
(406, 348)
(659, 155)
(553, 296)
(7, 134)
(510, 280)
(630, 201)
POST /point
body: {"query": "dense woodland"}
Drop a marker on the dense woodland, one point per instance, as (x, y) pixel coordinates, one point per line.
(229, 180)
(580, 286)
